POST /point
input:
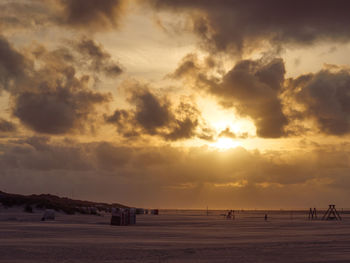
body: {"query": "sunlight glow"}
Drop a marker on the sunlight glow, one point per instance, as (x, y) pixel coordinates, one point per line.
(238, 184)
(225, 144)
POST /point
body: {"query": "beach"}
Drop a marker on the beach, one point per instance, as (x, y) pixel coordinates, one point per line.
(174, 236)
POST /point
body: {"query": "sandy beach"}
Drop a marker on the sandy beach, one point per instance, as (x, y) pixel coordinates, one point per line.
(174, 236)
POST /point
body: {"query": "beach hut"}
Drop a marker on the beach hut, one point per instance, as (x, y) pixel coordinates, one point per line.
(155, 212)
(116, 219)
(93, 210)
(120, 217)
(49, 214)
(132, 216)
(123, 216)
(140, 211)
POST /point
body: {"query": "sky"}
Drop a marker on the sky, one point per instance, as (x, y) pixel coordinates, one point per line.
(175, 103)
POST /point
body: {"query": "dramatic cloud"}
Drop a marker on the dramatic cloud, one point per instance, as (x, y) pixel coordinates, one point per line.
(50, 97)
(176, 139)
(185, 123)
(92, 14)
(324, 98)
(7, 126)
(187, 68)
(155, 115)
(100, 60)
(12, 65)
(235, 24)
(25, 14)
(58, 101)
(278, 107)
(151, 112)
(57, 110)
(252, 87)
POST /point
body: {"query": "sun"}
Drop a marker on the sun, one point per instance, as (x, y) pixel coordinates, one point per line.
(225, 144)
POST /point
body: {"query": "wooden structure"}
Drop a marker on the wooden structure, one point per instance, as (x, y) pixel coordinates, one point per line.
(331, 214)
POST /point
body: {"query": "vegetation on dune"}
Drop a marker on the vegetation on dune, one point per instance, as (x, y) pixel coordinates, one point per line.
(48, 201)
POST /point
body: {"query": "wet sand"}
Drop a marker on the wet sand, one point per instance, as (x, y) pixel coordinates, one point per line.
(174, 236)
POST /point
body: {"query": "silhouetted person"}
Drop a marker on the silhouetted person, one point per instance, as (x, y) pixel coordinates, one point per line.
(229, 214)
(265, 217)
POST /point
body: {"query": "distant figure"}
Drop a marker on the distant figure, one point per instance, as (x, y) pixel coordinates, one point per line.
(312, 214)
(229, 213)
(265, 217)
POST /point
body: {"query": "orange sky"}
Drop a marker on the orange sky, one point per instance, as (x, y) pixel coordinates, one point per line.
(176, 104)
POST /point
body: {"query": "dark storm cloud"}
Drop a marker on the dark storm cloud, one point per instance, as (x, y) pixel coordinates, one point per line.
(151, 112)
(12, 65)
(92, 14)
(100, 60)
(7, 126)
(57, 100)
(325, 99)
(183, 129)
(56, 110)
(252, 87)
(235, 24)
(50, 97)
(185, 123)
(155, 115)
(255, 87)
